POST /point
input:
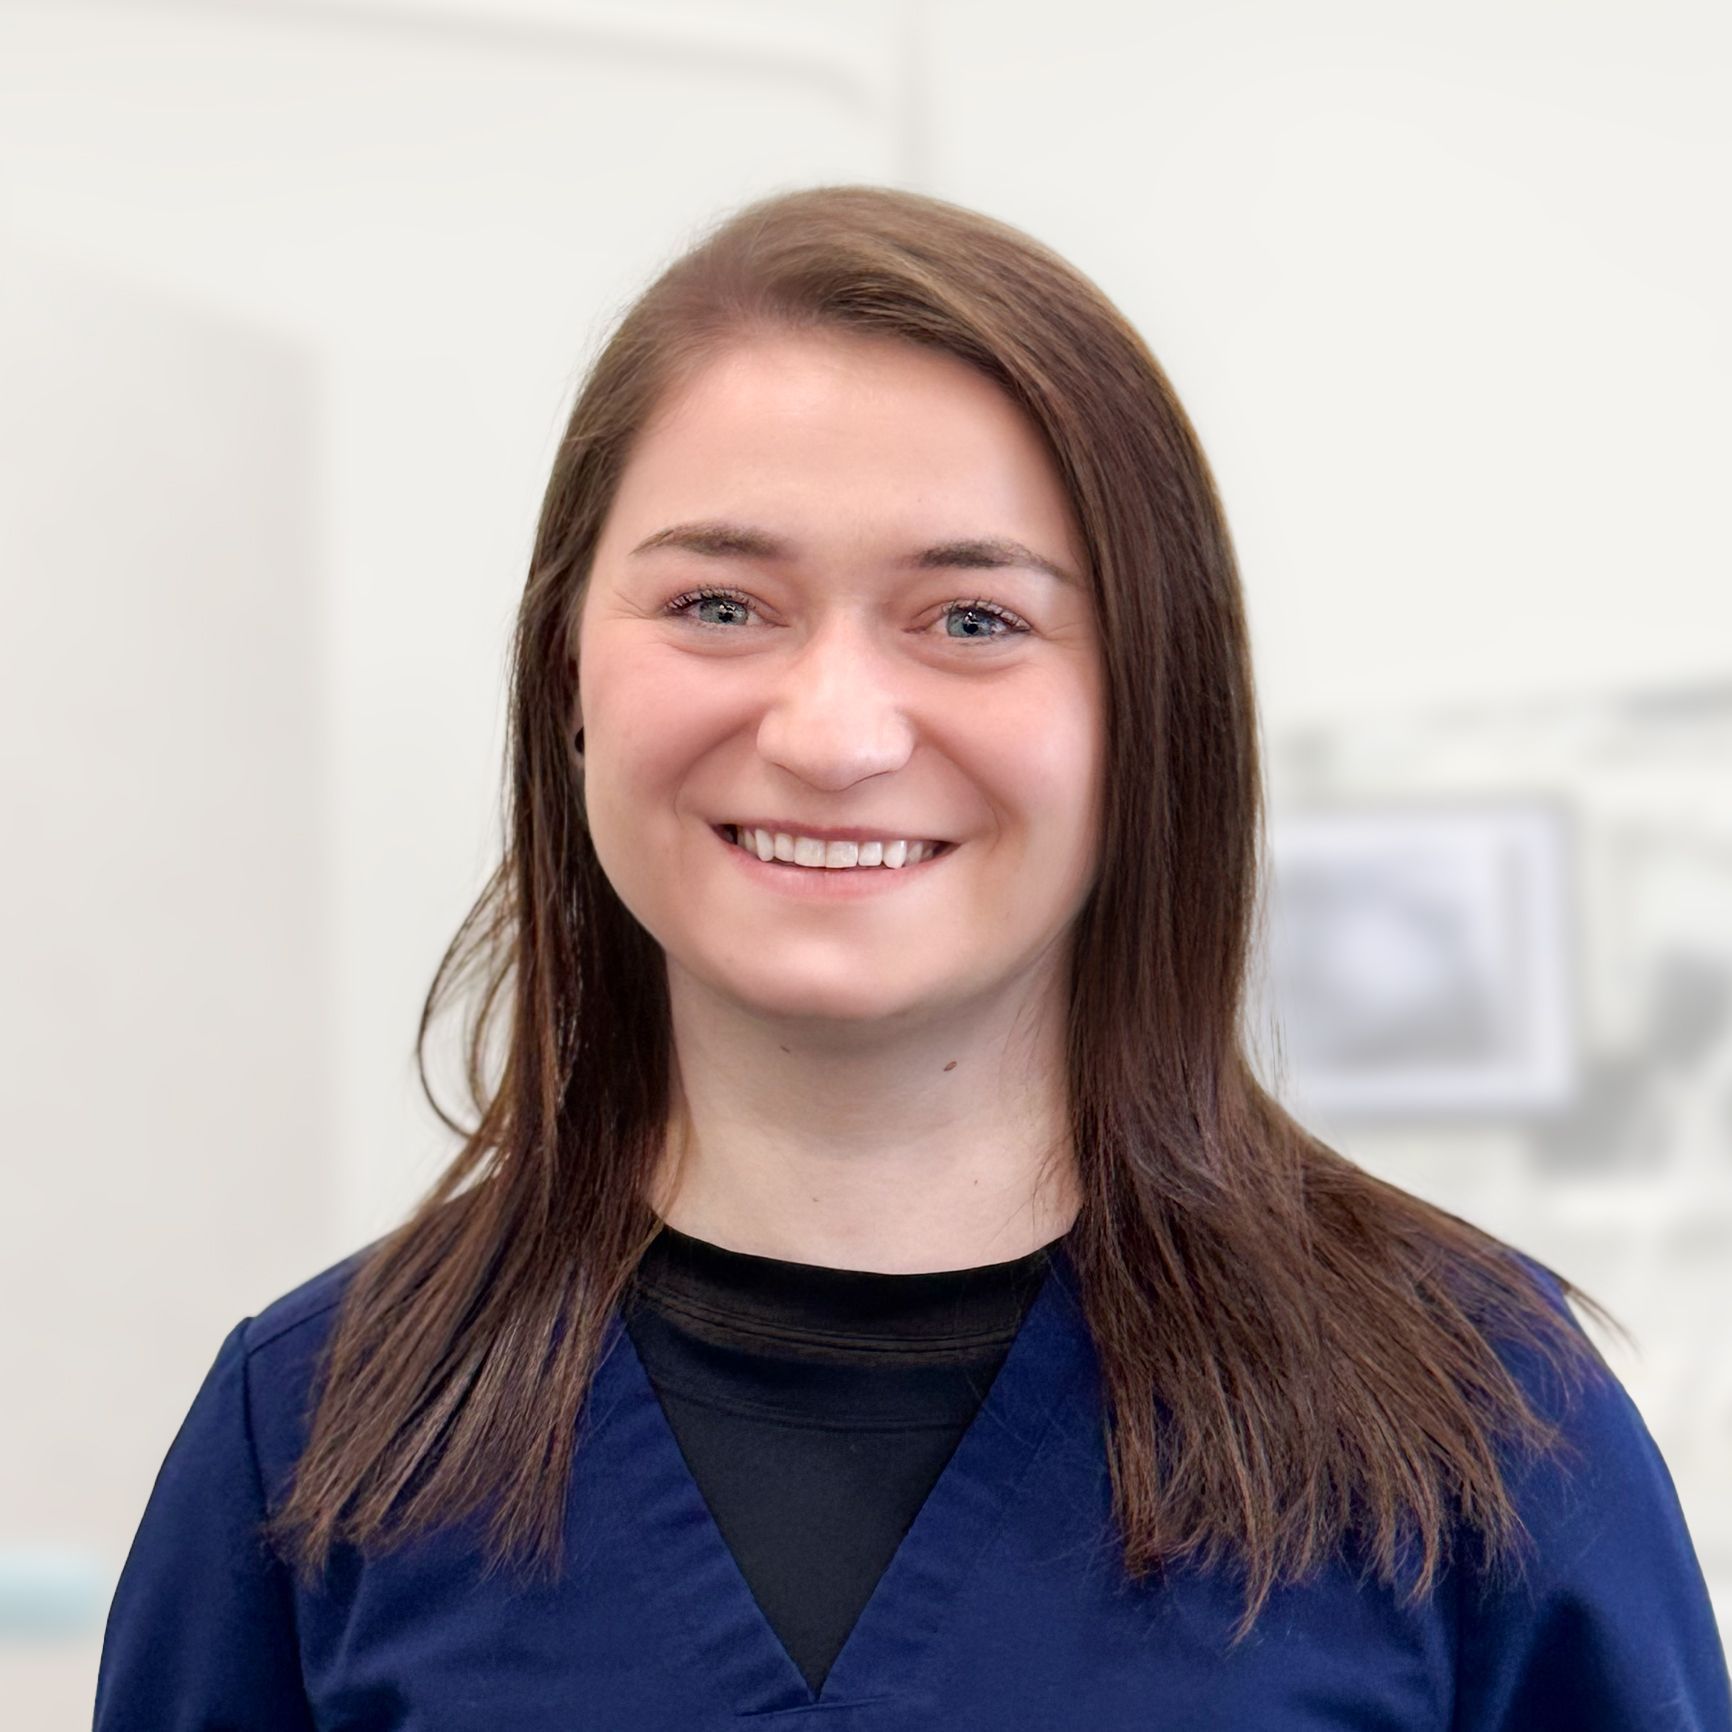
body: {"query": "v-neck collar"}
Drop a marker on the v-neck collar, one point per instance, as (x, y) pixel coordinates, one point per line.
(684, 1562)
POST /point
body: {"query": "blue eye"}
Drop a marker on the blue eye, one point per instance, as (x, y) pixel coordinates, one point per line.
(980, 607)
(990, 610)
(732, 596)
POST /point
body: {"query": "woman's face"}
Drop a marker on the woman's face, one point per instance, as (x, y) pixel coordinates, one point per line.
(875, 671)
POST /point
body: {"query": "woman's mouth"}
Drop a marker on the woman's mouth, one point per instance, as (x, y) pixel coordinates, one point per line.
(812, 853)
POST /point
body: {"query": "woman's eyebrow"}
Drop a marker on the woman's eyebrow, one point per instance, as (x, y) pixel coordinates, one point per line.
(737, 541)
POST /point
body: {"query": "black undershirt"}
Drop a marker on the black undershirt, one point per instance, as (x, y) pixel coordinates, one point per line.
(816, 1407)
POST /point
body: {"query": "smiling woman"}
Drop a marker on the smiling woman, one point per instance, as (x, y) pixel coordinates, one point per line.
(840, 691)
(875, 1282)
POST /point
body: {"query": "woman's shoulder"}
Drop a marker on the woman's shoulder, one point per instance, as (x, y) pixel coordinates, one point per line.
(307, 1309)
(276, 1357)
(1606, 1465)
(1603, 1464)
(1605, 1619)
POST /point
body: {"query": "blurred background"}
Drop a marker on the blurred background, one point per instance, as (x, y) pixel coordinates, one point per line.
(293, 299)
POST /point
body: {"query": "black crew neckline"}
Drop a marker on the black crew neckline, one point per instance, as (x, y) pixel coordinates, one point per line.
(742, 1298)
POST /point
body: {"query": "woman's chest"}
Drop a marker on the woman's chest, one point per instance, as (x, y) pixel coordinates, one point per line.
(1004, 1607)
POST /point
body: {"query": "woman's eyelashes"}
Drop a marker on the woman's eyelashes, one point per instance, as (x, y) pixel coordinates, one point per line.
(997, 620)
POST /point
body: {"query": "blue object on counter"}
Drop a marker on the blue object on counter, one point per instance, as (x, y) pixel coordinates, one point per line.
(52, 1590)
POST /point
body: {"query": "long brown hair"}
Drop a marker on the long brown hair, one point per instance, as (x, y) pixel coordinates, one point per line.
(1292, 1351)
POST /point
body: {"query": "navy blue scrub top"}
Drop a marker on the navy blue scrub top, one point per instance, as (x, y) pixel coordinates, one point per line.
(1002, 1608)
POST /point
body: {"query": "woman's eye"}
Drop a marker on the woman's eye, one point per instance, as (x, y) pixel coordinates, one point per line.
(980, 619)
(735, 605)
(986, 614)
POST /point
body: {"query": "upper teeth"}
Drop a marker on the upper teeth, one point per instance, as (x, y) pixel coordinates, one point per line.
(810, 851)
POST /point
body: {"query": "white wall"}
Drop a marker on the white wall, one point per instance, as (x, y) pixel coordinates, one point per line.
(164, 760)
(1443, 288)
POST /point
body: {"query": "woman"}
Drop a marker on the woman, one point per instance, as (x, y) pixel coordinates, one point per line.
(875, 1284)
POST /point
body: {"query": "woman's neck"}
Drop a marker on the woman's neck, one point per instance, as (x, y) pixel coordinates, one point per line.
(942, 1145)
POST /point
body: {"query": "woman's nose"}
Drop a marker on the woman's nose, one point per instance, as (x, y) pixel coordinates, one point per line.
(837, 715)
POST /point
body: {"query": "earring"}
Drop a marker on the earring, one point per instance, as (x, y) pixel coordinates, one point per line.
(577, 741)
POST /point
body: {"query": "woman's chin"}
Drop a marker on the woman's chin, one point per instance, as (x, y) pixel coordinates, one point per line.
(851, 999)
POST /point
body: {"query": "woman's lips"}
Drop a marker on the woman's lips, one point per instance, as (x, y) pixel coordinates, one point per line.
(828, 882)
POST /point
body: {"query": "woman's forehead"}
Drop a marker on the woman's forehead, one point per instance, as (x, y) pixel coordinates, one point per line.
(787, 449)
